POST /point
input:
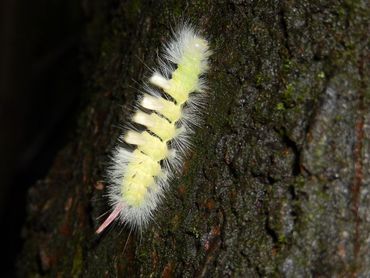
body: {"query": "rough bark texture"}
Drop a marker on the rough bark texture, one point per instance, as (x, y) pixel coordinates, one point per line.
(278, 184)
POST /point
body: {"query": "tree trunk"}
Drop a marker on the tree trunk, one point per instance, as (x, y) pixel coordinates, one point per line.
(278, 184)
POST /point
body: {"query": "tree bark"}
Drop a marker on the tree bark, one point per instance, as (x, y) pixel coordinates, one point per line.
(278, 184)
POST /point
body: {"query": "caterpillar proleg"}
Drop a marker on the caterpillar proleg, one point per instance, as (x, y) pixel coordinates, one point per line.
(167, 112)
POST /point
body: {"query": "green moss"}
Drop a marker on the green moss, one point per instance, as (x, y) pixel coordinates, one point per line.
(282, 239)
(77, 262)
(288, 65)
(321, 75)
(338, 118)
(299, 181)
(280, 106)
(288, 96)
(260, 79)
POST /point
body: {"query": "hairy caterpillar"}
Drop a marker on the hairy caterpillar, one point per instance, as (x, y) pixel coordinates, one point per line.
(167, 114)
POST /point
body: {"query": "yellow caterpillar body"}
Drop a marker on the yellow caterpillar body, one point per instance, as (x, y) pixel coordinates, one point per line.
(139, 178)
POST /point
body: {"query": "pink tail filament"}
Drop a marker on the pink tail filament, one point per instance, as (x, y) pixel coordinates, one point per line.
(114, 214)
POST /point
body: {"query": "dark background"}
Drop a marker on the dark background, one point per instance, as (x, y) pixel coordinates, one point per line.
(40, 85)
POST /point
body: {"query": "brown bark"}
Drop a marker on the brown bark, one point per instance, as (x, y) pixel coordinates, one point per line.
(278, 184)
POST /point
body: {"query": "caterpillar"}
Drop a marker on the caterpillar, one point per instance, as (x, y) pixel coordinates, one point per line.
(159, 139)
